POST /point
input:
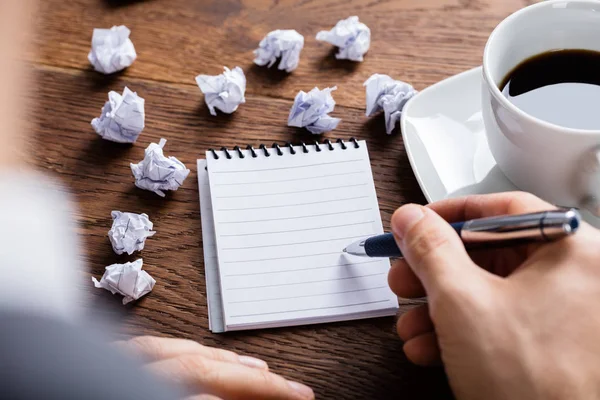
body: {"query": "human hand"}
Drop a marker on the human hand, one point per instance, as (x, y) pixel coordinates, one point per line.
(516, 323)
(207, 373)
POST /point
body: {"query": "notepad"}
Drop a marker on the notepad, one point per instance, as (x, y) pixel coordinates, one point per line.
(275, 222)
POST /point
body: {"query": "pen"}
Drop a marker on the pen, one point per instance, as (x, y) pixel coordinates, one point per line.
(499, 231)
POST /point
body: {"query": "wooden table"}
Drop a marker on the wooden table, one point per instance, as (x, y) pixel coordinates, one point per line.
(419, 41)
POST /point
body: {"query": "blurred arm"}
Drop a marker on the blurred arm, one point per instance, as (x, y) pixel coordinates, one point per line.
(15, 21)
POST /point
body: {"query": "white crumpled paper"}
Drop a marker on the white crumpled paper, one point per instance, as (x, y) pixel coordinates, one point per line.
(112, 50)
(224, 92)
(284, 44)
(352, 37)
(157, 172)
(129, 231)
(126, 279)
(310, 111)
(389, 95)
(122, 117)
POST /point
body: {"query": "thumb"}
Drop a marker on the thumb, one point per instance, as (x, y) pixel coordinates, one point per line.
(433, 250)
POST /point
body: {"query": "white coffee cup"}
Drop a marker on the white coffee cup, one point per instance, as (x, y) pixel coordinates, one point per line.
(557, 163)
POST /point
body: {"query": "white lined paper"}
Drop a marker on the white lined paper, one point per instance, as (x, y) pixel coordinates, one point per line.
(281, 223)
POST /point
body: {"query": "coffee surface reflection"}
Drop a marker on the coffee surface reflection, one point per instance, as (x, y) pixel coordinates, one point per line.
(561, 87)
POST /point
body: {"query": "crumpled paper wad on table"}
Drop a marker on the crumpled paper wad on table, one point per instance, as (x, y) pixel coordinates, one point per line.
(126, 279)
(112, 50)
(389, 95)
(310, 111)
(285, 45)
(224, 92)
(157, 172)
(129, 232)
(352, 38)
(122, 117)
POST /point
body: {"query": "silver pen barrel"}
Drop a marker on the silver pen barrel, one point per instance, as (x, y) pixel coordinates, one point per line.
(547, 225)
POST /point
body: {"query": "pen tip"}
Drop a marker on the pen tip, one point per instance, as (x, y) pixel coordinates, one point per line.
(344, 251)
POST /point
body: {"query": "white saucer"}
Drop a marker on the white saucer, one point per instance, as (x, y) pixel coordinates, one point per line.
(445, 139)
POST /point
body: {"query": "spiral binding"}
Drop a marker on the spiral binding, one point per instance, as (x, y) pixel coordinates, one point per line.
(278, 150)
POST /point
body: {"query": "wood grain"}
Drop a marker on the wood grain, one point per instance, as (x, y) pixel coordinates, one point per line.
(418, 41)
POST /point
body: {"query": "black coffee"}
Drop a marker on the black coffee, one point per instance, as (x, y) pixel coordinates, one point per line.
(561, 87)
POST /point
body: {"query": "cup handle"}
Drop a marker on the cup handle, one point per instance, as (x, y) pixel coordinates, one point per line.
(591, 182)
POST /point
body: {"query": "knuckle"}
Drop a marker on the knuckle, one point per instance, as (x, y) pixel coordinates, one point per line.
(522, 200)
(148, 345)
(525, 196)
(194, 365)
(471, 204)
(268, 379)
(222, 355)
(191, 344)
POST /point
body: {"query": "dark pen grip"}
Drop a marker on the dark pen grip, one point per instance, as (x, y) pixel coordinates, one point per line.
(385, 245)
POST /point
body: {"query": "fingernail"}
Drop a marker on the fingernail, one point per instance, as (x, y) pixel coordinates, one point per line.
(304, 390)
(405, 218)
(253, 362)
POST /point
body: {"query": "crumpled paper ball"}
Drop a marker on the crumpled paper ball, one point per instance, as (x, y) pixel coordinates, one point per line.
(129, 232)
(126, 279)
(122, 118)
(310, 111)
(112, 50)
(157, 172)
(389, 95)
(285, 45)
(352, 38)
(224, 92)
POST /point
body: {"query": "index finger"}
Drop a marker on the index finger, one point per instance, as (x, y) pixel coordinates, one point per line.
(228, 380)
(153, 348)
(489, 205)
